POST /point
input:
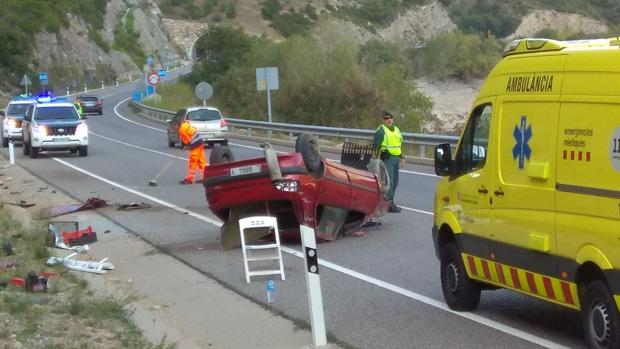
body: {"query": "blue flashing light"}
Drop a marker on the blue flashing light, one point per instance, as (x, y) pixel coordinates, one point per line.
(47, 99)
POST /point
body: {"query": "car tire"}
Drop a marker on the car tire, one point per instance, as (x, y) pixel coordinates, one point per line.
(220, 155)
(378, 168)
(308, 146)
(460, 292)
(34, 152)
(83, 151)
(26, 148)
(5, 142)
(600, 317)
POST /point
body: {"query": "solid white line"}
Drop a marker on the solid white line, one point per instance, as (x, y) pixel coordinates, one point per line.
(385, 285)
(416, 210)
(146, 196)
(133, 122)
(137, 146)
(437, 304)
(235, 144)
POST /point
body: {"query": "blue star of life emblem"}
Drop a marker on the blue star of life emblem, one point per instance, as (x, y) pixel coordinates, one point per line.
(522, 135)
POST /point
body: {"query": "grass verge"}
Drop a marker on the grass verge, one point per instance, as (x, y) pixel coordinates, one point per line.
(68, 315)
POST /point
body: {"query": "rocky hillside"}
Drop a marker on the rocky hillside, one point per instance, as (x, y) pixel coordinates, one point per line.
(78, 54)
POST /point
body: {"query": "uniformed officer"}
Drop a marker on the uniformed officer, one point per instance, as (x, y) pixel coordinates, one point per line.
(388, 141)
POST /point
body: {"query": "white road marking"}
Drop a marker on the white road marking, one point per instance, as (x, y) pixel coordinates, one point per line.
(235, 144)
(385, 285)
(137, 146)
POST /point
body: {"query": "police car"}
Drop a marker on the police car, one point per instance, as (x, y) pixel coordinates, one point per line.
(53, 124)
(12, 117)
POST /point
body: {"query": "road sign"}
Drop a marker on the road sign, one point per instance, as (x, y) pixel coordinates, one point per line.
(162, 73)
(43, 78)
(25, 81)
(203, 91)
(153, 79)
(267, 79)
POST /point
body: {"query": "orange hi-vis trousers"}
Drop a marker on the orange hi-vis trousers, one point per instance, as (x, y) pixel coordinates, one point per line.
(196, 162)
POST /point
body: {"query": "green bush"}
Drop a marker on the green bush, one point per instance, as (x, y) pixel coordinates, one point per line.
(380, 13)
(271, 9)
(482, 16)
(231, 9)
(323, 79)
(457, 55)
(126, 39)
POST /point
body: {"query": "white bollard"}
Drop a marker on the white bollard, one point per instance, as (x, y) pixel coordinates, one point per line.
(85, 88)
(67, 90)
(313, 283)
(102, 85)
(116, 82)
(11, 153)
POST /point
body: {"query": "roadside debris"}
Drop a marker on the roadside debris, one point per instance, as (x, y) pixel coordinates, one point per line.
(91, 203)
(133, 206)
(21, 203)
(359, 234)
(100, 267)
(33, 282)
(71, 237)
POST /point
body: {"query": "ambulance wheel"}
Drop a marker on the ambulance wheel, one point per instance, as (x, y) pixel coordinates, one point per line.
(461, 292)
(5, 142)
(378, 168)
(600, 317)
(221, 154)
(26, 148)
(308, 146)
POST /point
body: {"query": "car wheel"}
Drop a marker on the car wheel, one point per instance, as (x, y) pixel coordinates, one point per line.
(308, 146)
(221, 154)
(34, 152)
(5, 142)
(26, 148)
(83, 151)
(378, 168)
(460, 292)
(600, 317)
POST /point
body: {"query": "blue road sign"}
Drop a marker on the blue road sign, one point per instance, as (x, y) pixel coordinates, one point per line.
(162, 73)
(43, 77)
(149, 60)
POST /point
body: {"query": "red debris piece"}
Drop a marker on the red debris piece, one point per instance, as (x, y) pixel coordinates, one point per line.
(18, 281)
(79, 237)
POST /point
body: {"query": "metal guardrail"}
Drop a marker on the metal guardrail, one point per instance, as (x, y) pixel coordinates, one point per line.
(423, 142)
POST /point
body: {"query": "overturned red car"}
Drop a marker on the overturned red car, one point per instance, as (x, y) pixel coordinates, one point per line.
(297, 188)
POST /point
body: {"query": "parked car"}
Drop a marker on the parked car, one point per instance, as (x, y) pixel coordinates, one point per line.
(208, 121)
(12, 117)
(90, 104)
(300, 187)
(54, 125)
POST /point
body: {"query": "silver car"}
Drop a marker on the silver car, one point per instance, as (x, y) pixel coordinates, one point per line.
(208, 121)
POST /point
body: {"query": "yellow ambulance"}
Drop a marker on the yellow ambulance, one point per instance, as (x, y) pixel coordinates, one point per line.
(530, 201)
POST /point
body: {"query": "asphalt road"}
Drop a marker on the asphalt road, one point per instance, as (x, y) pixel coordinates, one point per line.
(380, 291)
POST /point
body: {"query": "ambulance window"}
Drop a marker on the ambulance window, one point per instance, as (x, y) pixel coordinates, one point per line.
(472, 153)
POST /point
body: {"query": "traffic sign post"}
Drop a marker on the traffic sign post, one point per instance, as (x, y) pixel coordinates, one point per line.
(25, 82)
(43, 78)
(203, 91)
(162, 73)
(153, 79)
(267, 80)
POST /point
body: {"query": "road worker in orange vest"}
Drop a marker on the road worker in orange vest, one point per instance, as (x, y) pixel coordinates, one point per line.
(190, 139)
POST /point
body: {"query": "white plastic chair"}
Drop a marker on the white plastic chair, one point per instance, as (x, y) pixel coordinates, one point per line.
(261, 252)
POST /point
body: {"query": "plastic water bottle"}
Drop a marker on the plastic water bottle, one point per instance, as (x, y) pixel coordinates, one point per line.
(271, 291)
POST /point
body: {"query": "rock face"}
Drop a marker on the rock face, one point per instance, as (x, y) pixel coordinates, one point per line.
(419, 24)
(560, 22)
(184, 33)
(72, 58)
